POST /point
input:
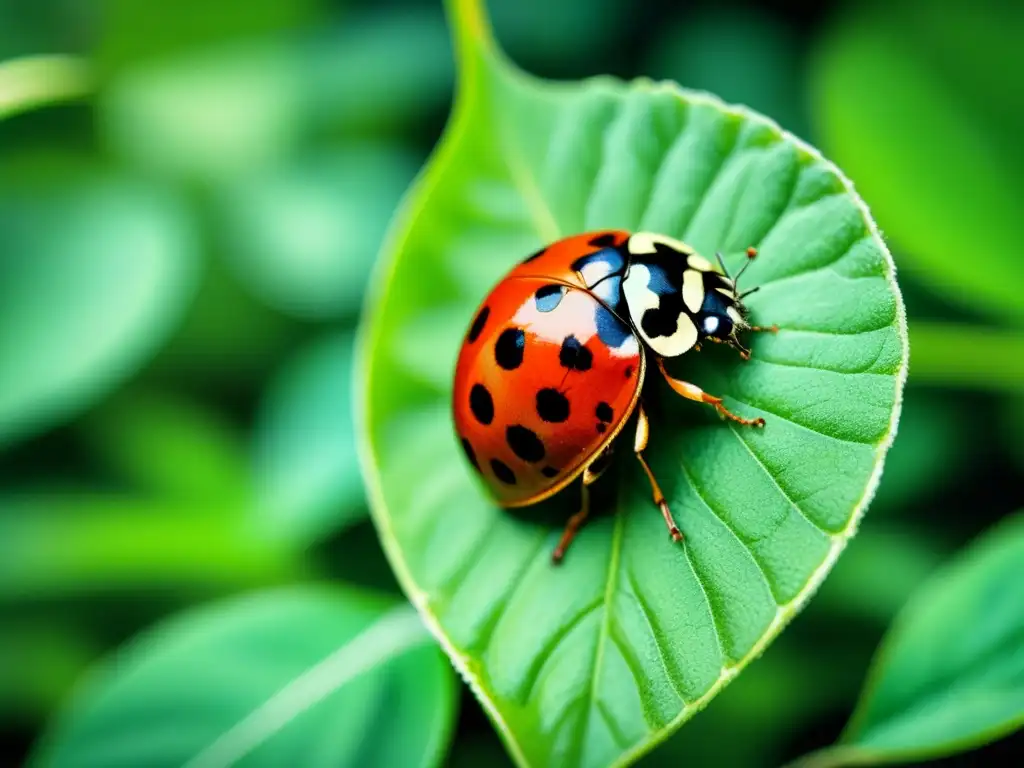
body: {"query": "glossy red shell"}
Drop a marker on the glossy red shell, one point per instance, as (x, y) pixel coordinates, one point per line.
(539, 392)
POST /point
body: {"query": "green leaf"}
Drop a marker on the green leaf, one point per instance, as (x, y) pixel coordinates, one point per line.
(976, 357)
(171, 447)
(949, 675)
(84, 303)
(35, 81)
(305, 461)
(303, 238)
(937, 150)
(211, 115)
(309, 676)
(132, 32)
(68, 544)
(594, 662)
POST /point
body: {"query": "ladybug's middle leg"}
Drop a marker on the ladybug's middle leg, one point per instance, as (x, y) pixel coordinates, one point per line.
(643, 432)
(593, 471)
(693, 392)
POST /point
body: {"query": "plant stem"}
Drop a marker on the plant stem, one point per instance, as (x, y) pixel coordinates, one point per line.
(967, 356)
(34, 81)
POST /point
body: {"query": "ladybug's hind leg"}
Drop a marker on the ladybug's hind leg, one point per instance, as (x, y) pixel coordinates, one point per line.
(593, 471)
(643, 432)
(693, 392)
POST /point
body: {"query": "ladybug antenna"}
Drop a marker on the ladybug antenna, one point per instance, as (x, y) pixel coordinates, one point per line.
(751, 253)
(744, 295)
(721, 263)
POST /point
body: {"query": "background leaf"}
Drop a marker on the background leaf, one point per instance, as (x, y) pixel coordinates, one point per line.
(950, 672)
(85, 302)
(304, 459)
(317, 676)
(169, 446)
(303, 239)
(594, 662)
(937, 149)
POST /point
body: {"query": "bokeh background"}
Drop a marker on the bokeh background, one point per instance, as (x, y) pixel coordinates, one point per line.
(184, 251)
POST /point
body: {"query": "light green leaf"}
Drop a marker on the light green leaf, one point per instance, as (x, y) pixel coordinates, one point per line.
(210, 115)
(949, 675)
(305, 461)
(61, 544)
(299, 676)
(35, 81)
(171, 447)
(937, 150)
(594, 662)
(95, 273)
(303, 238)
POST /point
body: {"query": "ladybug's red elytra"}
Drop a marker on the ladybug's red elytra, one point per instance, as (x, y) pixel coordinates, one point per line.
(554, 361)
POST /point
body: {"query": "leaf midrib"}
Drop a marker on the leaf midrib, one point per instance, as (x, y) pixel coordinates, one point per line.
(394, 633)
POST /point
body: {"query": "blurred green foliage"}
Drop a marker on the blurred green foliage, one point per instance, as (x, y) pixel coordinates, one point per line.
(184, 253)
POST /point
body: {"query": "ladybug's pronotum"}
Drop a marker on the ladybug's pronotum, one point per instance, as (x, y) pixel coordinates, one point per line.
(553, 363)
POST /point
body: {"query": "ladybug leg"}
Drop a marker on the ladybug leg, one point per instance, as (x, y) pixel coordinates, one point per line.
(643, 432)
(590, 475)
(693, 392)
(763, 328)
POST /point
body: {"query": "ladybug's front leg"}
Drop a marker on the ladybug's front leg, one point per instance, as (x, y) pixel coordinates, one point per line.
(593, 471)
(693, 392)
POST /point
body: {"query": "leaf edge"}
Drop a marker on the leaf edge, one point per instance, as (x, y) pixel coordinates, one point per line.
(368, 333)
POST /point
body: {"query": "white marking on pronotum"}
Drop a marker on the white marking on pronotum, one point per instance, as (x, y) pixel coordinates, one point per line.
(710, 324)
(640, 298)
(733, 313)
(727, 293)
(693, 290)
(698, 262)
(644, 242)
(392, 634)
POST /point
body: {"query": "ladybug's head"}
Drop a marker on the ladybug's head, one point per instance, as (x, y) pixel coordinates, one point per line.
(722, 314)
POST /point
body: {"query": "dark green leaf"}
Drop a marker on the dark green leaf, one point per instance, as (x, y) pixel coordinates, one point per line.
(748, 58)
(305, 462)
(95, 273)
(595, 662)
(949, 676)
(171, 447)
(299, 676)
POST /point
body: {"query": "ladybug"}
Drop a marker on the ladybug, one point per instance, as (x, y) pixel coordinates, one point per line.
(553, 363)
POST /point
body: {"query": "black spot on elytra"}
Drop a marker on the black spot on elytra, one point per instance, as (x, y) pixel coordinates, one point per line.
(478, 325)
(548, 297)
(629, 371)
(508, 350)
(502, 472)
(601, 427)
(604, 240)
(470, 454)
(481, 404)
(535, 255)
(574, 355)
(610, 329)
(605, 412)
(552, 405)
(549, 472)
(524, 443)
